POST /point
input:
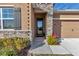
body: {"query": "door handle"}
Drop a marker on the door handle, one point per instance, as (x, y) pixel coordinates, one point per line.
(72, 29)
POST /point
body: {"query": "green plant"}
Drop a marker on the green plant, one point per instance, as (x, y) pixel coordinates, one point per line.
(21, 43)
(52, 40)
(8, 52)
(8, 42)
(11, 46)
(1, 43)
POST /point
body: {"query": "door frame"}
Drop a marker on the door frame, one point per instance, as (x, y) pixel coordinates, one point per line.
(43, 34)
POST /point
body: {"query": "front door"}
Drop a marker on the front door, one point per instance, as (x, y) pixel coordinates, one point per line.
(39, 27)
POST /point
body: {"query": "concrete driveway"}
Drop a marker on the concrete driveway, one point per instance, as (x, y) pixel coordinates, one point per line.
(72, 45)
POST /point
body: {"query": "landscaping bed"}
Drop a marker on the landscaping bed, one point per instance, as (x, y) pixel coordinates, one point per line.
(53, 40)
(14, 46)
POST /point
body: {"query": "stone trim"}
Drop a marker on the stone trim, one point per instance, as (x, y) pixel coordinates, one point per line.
(14, 33)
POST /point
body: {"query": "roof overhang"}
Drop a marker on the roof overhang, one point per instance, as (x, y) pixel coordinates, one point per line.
(38, 10)
(67, 11)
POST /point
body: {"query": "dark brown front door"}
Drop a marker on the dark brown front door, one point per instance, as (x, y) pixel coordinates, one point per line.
(39, 27)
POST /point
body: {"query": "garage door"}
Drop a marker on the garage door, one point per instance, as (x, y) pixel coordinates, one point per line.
(70, 29)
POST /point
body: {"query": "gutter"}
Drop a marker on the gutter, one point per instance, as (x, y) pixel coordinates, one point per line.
(67, 11)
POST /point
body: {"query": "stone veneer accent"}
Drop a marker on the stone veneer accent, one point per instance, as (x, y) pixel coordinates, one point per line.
(49, 18)
(14, 33)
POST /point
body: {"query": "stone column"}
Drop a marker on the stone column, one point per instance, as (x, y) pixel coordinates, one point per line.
(49, 25)
(49, 22)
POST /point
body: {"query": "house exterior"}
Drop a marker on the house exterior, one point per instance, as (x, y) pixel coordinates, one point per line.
(37, 19)
(25, 19)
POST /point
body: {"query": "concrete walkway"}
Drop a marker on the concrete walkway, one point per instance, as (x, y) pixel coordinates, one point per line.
(59, 50)
(72, 45)
(39, 47)
(68, 46)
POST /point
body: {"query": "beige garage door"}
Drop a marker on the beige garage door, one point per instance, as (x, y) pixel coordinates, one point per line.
(70, 29)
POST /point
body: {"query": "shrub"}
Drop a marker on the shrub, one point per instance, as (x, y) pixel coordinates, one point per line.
(21, 43)
(8, 42)
(11, 46)
(52, 40)
(8, 52)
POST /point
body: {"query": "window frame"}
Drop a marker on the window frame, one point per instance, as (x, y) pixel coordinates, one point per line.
(2, 19)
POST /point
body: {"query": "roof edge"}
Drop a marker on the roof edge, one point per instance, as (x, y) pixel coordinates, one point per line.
(66, 10)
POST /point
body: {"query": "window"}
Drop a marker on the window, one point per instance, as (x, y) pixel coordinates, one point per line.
(8, 24)
(8, 18)
(0, 23)
(7, 12)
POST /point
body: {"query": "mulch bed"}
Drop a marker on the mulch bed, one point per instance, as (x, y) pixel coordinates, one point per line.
(24, 52)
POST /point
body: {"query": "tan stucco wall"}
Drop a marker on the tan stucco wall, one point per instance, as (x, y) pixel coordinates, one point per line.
(69, 17)
(66, 16)
(32, 22)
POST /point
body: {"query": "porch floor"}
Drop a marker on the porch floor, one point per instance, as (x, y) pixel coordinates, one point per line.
(39, 47)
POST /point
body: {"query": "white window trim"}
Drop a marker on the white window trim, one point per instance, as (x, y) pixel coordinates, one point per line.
(3, 19)
(7, 5)
(7, 18)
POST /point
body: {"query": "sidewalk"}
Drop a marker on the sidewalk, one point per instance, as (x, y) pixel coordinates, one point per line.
(59, 50)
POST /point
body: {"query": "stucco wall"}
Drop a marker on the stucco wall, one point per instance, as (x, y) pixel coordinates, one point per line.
(66, 16)
(70, 17)
(32, 23)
